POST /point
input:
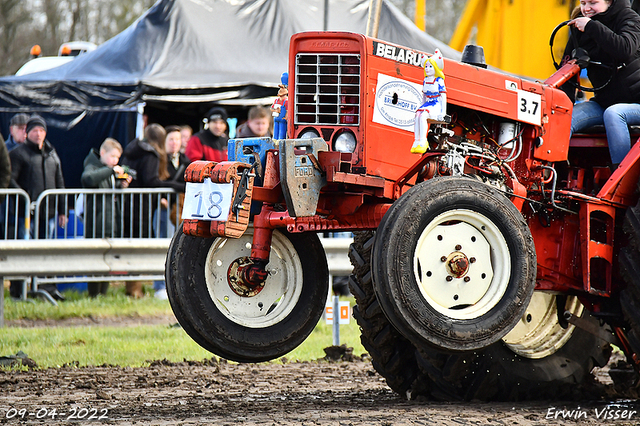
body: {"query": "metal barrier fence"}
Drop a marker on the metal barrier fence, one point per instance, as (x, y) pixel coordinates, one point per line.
(89, 248)
(107, 235)
(90, 213)
(10, 215)
(107, 213)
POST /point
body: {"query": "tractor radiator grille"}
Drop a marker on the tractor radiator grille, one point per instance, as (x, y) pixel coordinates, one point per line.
(327, 89)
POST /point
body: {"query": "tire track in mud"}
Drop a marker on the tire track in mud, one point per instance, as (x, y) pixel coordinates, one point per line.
(294, 393)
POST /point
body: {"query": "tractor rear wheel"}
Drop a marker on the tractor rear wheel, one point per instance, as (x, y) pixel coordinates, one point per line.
(242, 324)
(392, 355)
(539, 359)
(629, 261)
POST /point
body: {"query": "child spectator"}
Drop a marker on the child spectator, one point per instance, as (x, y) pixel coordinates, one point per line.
(101, 170)
(257, 125)
(102, 212)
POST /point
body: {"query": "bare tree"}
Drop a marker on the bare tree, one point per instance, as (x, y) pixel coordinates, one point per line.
(49, 23)
(13, 17)
(55, 13)
(125, 12)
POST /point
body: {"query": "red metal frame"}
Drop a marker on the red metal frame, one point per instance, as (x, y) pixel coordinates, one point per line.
(572, 252)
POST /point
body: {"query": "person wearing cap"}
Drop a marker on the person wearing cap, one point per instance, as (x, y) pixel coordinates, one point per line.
(17, 130)
(210, 144)
(35, 167)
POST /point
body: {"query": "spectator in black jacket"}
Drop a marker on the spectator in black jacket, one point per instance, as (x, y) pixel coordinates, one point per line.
(35, 167)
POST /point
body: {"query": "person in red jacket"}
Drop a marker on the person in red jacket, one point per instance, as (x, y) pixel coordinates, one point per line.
(211, 143)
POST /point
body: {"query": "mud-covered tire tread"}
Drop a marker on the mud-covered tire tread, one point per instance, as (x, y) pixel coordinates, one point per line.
(393, 356)
(629, 261)
(498, 374)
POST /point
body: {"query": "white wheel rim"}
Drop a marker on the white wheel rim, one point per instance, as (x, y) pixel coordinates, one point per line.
(538, 333)
(281, 291)
(485, 280)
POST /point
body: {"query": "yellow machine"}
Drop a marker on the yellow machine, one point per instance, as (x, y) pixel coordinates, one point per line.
(514, 33)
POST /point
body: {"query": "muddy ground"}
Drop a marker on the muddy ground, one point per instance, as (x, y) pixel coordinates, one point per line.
(310, 393)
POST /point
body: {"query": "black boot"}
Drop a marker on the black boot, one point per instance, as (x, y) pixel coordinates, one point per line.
(15, 289)
(52, 290)
(97, 288)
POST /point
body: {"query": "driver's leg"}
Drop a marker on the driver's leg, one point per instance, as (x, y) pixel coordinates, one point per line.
(585, 115)
(617, 119)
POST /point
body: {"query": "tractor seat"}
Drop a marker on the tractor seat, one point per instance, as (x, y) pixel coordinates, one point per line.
(596, 137)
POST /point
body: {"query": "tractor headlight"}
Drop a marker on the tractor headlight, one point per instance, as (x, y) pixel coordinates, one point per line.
(309, 134)
(345, 142)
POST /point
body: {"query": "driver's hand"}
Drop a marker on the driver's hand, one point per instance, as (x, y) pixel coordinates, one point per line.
(580, 23)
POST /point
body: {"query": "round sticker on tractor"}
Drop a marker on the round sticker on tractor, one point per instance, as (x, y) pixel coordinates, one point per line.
(396, 102)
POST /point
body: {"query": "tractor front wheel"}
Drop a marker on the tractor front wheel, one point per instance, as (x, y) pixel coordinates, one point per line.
(454, 264)
(237, 322)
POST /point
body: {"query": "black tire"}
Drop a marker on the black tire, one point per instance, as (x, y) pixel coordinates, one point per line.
(497, 373)
(392, 355)
(444, 219)
(180, 311)
(629, 261)
(494, 374)
(247, 329)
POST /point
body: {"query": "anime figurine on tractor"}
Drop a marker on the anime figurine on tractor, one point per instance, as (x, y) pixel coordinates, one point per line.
(500, 264)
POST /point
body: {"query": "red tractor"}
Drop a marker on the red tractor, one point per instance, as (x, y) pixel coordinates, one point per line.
(498, 265)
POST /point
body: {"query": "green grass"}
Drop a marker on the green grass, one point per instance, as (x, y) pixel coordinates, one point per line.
(126, 346)
(78, 305)
(123, 346)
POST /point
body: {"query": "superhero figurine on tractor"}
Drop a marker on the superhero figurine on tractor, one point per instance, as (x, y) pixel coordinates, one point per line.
(499, 264)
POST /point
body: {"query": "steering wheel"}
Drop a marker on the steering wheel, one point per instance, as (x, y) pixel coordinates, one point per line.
(582, 58)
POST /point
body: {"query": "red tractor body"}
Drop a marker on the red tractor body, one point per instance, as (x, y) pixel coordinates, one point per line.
(542, 209)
